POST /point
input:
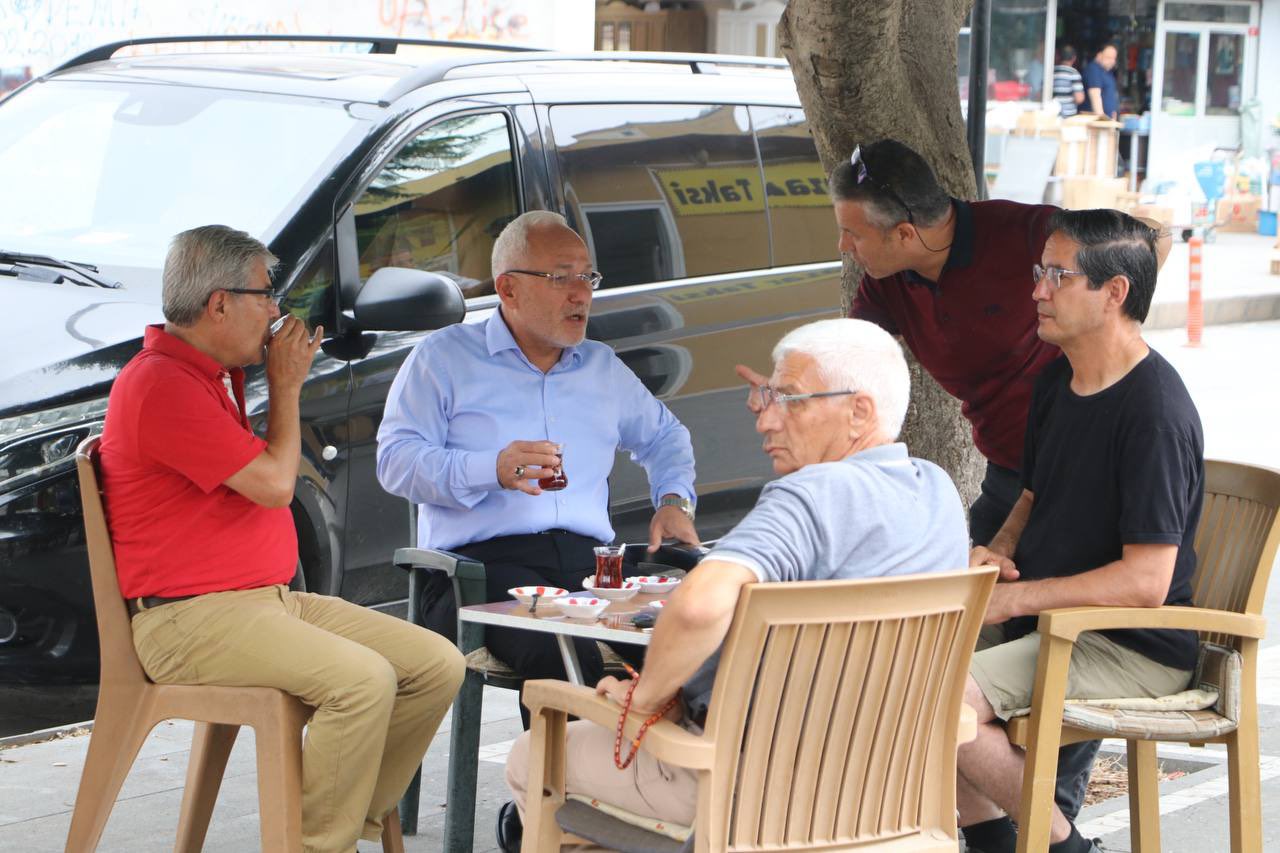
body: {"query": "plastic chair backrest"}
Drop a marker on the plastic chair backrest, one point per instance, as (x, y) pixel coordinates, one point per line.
(835, 710)
(119, 664)
(1237, 540)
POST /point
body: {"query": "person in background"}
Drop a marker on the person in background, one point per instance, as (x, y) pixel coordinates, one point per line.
(1100, 82)
(1068, 85)
(1035, 75)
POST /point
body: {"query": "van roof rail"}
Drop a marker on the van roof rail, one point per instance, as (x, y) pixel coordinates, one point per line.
(700, 63)
(377, 44)
(696, 63)
(512, 56)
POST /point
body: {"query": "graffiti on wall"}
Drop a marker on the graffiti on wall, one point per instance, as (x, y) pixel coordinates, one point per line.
(36, 35)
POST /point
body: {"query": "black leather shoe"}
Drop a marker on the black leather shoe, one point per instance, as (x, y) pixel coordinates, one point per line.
(510, 829)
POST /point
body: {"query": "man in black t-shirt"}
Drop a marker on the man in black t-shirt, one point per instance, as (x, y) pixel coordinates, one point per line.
(1113, 482)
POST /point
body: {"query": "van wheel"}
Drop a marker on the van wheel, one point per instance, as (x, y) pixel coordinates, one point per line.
(299, 582)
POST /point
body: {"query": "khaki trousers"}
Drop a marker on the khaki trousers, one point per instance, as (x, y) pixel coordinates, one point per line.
(1100, 669)
(380, 687)
(648, 787)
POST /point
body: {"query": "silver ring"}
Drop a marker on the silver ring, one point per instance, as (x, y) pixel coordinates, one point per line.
(519, 471)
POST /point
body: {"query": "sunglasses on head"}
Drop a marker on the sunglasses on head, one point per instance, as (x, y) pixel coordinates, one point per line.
(862, 173)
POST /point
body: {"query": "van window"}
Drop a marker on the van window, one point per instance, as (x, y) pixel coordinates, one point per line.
(662, 191)
(800, 218)
(311, 297)
(441, 201)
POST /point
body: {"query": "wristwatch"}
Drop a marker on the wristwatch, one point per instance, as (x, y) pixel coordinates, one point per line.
(684, 504)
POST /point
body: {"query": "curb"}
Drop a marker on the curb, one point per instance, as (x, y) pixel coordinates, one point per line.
(1217, 312)
(44, 734)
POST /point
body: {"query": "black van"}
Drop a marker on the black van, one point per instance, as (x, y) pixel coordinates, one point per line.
(693, 179)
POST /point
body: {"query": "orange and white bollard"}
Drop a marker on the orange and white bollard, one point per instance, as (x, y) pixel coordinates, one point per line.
(1195, 307)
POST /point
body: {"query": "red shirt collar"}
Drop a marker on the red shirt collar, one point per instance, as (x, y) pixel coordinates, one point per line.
(158, 340)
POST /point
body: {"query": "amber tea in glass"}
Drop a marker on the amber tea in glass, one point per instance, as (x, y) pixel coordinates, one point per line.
(557, 480)
(608, 567)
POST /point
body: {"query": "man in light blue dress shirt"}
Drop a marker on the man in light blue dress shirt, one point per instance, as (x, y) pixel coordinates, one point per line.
(479, 411)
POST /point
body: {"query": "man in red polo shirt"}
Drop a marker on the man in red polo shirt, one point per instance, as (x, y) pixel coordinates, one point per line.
(205, 545)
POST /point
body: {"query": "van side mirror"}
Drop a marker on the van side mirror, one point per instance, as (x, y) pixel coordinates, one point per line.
(395, 299)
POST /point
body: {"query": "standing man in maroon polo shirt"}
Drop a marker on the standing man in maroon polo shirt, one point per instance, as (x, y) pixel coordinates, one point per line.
(953, 279)
(205, 545)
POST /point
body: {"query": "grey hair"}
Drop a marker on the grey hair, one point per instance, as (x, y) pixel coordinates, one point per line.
(859, 356)
(205, 259)
(512, 245)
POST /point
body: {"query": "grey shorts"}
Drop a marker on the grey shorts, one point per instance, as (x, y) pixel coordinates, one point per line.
(1100, 669)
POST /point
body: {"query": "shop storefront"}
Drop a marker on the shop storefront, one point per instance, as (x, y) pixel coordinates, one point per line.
(1190, 67)
(1191, 77)
(1027, 38)
(1206, 56)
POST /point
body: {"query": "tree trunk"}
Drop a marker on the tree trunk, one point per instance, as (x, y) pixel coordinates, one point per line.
(875, 69)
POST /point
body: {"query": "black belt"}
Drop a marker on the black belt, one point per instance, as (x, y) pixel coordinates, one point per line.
(146, 602)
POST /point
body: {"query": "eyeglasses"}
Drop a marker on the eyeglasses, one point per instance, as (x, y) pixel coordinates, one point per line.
(561, 281)
(269, 292)
(1054, 274)
(863, 174)
(761, 397)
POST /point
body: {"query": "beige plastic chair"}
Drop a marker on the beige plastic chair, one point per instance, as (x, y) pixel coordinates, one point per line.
(1236, 547)
(849, 740)
(130, 705)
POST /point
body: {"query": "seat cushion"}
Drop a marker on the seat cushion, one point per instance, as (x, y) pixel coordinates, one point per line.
(1147, 725)
(483, 661)
(1219, 669)
(1187, 700)
(614, 664)
(1209, 708)
(587, 819)
(674, 831)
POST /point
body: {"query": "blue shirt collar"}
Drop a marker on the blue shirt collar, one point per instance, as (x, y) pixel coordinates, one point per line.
(882, 454)
(498, 337)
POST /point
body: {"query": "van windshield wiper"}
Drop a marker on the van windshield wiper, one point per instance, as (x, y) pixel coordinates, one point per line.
(87, 272)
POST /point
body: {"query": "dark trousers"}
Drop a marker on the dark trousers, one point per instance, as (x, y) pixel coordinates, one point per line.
(1001, 488)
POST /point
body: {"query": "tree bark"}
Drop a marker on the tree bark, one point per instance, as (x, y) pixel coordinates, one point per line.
(875, 69)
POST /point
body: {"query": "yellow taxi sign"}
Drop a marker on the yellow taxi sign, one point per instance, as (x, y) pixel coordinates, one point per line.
(730, 189)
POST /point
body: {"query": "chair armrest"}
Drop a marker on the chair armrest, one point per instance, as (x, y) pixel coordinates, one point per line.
(664, 740)
(676, 556)
(1068, 622)
(433, 560)
(967, 728)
